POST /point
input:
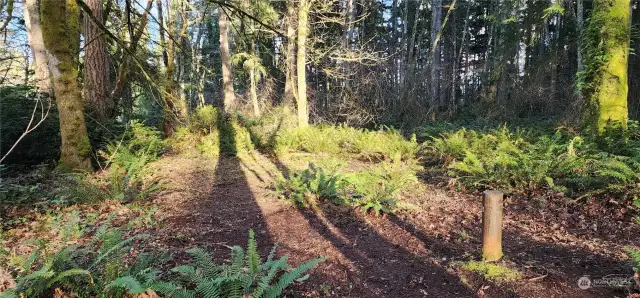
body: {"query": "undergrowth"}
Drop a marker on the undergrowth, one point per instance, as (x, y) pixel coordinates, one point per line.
(105, 267)
(373, 190)
(247, 275)
(384, 144)
(211, 133)
(520, 161)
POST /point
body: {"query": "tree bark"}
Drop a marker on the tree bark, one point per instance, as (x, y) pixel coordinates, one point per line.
(303, 111)
(436, 16)
(61, 32)
(227, 71)
(36, 42)
(290, 57)
(96, 66)
(580, 25)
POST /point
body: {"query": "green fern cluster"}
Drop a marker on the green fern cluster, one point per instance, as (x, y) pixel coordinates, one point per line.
(377, 189)
(96, 269)
(497, 158)
(138, 146)
(271, 123)
(314, 183)
(370, 190)
(101, 269)
(383, 144)
(128, 159)
(246, 276)
(521, 161)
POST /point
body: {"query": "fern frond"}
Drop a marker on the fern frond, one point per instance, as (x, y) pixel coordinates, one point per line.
(253, 258)
(128, 283)
(208, 288)
(291, 276)
(115, 248)
(67, 273)
(188, 272)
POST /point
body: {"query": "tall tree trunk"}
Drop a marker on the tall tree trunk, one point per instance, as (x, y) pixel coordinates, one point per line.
(96, 66)
(253, 81)
(436, 16)
(174, 102)
(608, 104)
(227, 71)
(303, 16)
(61, 33)
(290, 57)
(580, 25)
(36, 42)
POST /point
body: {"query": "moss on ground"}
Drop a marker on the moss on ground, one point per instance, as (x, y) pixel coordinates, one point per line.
(495, 272)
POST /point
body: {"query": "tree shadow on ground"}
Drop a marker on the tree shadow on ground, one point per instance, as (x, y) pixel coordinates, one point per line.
(224, 206)
(397, 257)
(389, 265)
(380, 267)
(555, 268)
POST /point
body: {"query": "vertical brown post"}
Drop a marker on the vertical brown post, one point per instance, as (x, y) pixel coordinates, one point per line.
(492, 226)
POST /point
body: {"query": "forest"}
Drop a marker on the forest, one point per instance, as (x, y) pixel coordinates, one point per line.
(319, 148)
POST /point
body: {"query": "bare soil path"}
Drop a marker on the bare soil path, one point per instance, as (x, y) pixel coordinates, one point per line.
(213, 203)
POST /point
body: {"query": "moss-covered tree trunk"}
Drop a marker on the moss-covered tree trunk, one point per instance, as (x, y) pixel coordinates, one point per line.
(61, 32)
(610, 26)
(303, 22)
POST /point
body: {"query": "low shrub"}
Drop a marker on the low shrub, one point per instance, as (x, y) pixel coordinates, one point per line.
(127, 160)
(204, 119)
(634, 254)
(16, 108)
(377, 189)
(138, 146)
(265, 129)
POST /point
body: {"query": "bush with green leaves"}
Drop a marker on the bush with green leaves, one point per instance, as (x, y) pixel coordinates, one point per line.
(16, 107)
(383, 144)
(138, 146)
(204, 119)
(306, 187)
(246, 276)
(272, 122)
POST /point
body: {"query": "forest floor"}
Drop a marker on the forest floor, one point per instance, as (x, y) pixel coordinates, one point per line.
(419, 251)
